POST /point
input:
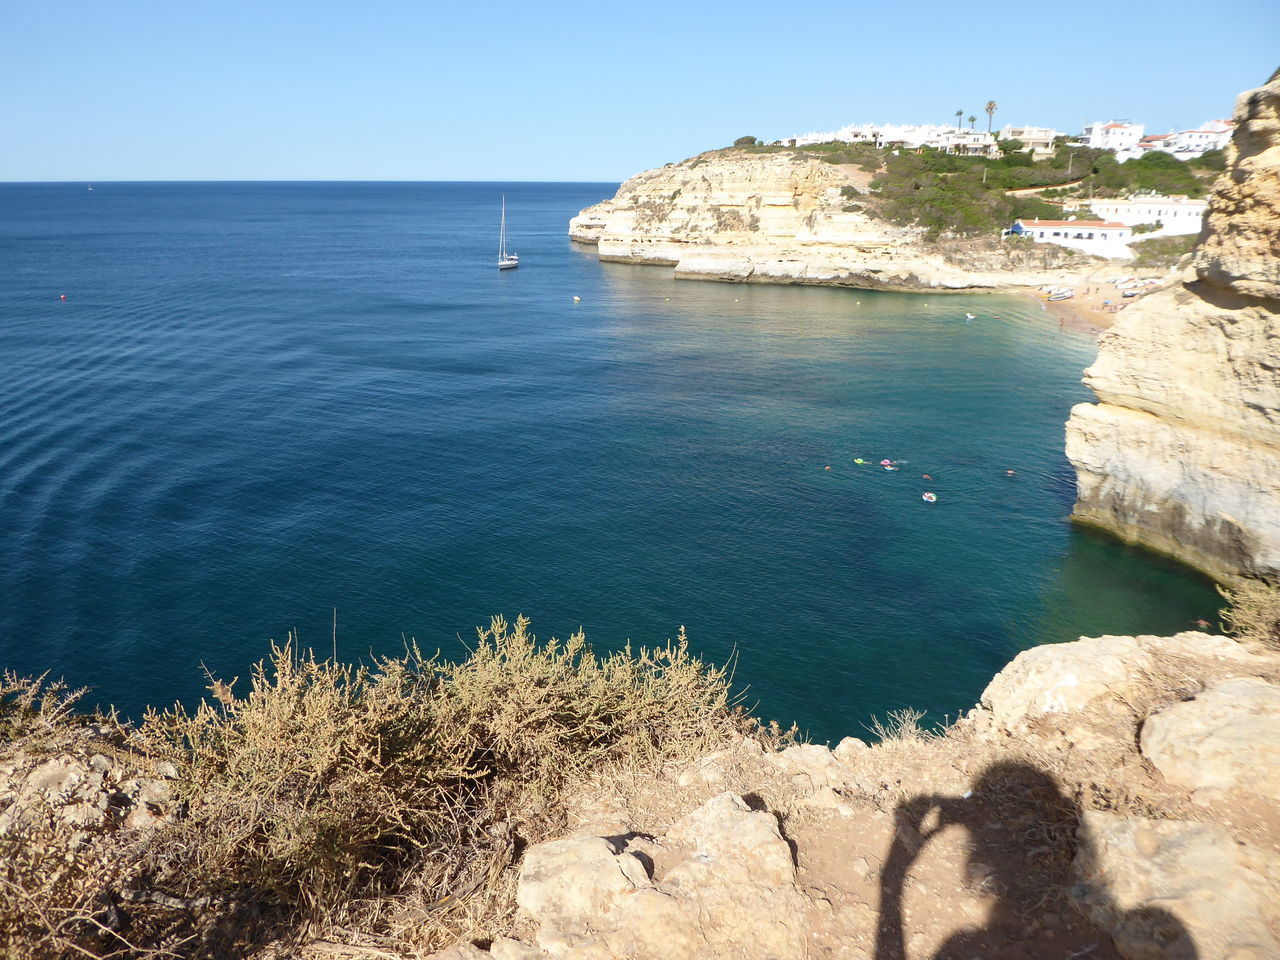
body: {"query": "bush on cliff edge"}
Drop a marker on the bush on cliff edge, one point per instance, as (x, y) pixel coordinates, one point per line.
(1253, 612)
(383, 803)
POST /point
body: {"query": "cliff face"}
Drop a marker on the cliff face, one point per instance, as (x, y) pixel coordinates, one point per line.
(1182, 450)
(782, 218)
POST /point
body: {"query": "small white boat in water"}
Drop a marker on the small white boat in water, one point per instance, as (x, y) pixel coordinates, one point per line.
(506, 261)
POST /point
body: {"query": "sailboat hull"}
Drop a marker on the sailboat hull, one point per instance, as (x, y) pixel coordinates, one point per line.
(506, 261)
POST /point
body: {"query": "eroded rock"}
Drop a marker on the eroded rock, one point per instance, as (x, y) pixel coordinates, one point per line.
(730, 892)
(1227, 738)
(1172, 890)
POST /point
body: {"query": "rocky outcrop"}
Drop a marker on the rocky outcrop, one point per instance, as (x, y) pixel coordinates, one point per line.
(1113, 797)
(1181, 452)
(782, 217)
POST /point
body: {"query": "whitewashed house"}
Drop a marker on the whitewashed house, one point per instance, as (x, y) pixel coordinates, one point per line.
(1176, 215)
(1038, 141)
(1113, 135)
(1212, 135)
(910, 136)
(1099, 237)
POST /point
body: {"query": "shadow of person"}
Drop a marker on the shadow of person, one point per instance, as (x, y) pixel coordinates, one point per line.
(1023, 832)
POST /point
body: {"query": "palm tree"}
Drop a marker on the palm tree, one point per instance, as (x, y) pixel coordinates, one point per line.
(972, 118)
(959, 114)
(992, 107)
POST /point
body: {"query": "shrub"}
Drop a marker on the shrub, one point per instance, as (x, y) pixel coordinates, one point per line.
(746, 142)
(1211, 160)
(331, 787)
(1162, 251)
(53, 872)
(1253, 612)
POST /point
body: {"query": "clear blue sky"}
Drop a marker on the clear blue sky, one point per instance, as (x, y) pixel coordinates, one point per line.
(599, 90)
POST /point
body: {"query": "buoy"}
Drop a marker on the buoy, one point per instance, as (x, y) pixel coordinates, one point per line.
(928, 497)
(858, 460)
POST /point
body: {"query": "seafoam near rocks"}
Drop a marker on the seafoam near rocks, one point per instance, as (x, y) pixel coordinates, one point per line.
(784, 218)
(1182, 451)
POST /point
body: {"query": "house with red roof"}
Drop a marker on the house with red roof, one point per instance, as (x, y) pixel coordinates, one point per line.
(1113, 135)
(1102, 238)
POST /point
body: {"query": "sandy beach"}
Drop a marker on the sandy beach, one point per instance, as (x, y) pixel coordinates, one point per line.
(1098, 302)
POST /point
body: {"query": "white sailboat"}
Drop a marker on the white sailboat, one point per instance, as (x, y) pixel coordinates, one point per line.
(506, 261)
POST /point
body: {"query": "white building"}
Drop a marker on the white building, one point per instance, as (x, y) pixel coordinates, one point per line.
(1176, 215)
(911, 136)
(1098, 237)
(1038, 141)
(1113, 135)
(1212, 135)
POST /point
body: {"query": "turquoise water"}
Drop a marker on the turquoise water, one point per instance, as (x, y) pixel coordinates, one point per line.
(260, 402)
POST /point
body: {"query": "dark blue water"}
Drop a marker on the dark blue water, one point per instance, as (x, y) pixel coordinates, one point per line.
(260, 402)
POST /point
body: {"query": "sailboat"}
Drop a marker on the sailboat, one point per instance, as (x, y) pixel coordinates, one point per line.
(506, 261)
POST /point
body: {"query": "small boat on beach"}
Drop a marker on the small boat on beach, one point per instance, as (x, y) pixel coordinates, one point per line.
(1064, 295)
(506, 261)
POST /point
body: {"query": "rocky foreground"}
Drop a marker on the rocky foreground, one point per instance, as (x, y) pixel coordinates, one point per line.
(1112, 797)
(1117, 796)
(1182, 451)
(788, 218)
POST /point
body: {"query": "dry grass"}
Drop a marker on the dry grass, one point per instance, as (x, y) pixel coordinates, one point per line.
(31, 708)
(382, 805)
(1253, 612)
(52, 876)
(902, 726)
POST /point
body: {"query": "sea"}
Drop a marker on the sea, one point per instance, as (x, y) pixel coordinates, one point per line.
(232, 412)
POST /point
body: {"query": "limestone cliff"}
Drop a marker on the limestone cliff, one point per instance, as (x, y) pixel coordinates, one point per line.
(1182, 451)
(787, 218)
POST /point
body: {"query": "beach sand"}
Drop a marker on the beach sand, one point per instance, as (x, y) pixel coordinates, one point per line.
(1097, 303)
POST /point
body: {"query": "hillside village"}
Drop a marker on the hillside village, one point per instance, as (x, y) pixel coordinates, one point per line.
(1102, 227)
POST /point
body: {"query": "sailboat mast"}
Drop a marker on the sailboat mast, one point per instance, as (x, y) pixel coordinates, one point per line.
(502, 231)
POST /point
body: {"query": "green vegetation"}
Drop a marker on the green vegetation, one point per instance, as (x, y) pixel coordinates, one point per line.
(1156, 171)
(746, 142)
(964, 196)
(968, 196)
(863, 155)
(1140, 228)
(1162, 252)
(1211, 160)
(385, 799)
